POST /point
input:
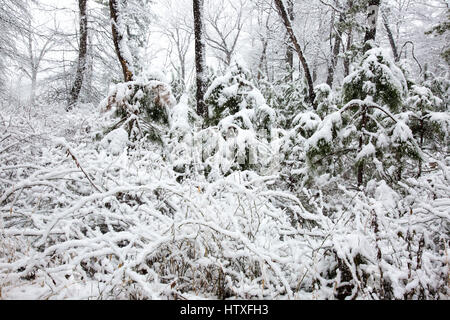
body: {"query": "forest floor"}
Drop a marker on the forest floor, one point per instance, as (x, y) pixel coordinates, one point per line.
(81, 218)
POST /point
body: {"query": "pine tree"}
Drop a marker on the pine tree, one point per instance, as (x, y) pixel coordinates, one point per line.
(239, 121)
(429, 126)
(366, 131)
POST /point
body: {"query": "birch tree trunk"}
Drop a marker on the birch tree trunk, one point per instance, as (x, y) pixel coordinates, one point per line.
(372, 18)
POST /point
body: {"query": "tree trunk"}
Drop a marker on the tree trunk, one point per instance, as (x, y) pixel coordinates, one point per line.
(391, 39)
(372, 18)
(349, 42)
(183, 74)
(199, 57)
(33, 69)
(287, 24)
(360, 169)
(82, 53)
(289, 51)
(422, 134)
(336, 49)
(262, 59)
(118, 39)
(33, 86)
(347, 59)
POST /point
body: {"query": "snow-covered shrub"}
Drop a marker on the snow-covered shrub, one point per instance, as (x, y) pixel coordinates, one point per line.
(234, 93)
(120, 226)
(240, 124)
(292, 146)
(440, 87)
(178, 86)
(378, 77)
(182, 150)
(428, 124)
(142, 106)
(324, 100)
(306, 123)
(364, 138)
(365, 135)
(322, 147)
(286, 98)
(79, 222)
(364, 262)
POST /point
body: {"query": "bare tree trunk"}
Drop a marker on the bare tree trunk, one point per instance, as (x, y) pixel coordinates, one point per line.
(347, 59)
(199, 57)
(391, 39)
(33, 87)
(422, 133)
(349, 43)
(372, 18)
(34, 58)
(336, 49)
(118, 40)
(287, 24)
(33, 70)
(32, 74)
(82, 53)
(360, 169)
(289, 51)
(183, 71)
(262, 59)
(314, 70)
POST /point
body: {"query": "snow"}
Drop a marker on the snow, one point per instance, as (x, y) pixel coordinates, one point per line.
(307, 120)
(386, 196)
(401, 133)
(324, 131)
(366, 151)
(257, 96)
(180, 114)
(90, 208)
(439, 116)
(115, 141)
(231, 90)
(216, 83)
(377, 66)
(239, 225)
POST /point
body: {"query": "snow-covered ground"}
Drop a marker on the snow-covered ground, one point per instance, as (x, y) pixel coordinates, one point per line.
(87, 218)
